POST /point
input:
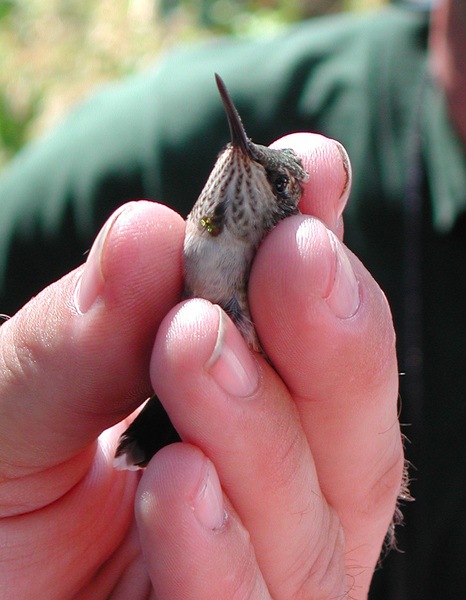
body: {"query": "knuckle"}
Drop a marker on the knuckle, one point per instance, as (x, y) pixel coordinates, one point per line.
(16, 356)
(284, 464)
(323, 575)
(22, 347)
(244, 582)
(387, 487)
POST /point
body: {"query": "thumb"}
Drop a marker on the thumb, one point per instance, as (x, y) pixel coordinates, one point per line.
(75, 359)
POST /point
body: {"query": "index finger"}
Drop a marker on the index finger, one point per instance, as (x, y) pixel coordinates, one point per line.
(326, 326)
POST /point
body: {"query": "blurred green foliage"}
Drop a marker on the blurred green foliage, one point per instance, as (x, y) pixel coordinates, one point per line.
(54, 52)
(14, 126)
(5, 7)
(246, 16)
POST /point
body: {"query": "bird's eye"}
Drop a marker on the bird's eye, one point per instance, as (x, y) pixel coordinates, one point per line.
(280, 183)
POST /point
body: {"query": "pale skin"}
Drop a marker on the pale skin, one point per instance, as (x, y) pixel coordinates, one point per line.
(447, 53)
(286, 483)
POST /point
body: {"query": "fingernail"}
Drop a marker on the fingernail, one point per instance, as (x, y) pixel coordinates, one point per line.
(231, 364)
(207, 503)
(343, 298)
(349, 178)
(91, 284)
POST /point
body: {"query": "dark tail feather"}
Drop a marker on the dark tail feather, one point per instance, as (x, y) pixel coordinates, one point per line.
(147, 434)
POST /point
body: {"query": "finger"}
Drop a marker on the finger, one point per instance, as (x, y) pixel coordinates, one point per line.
(327, 328)
(235, 408)
(194, 544)
(67, 372)
(72, 530)
(327, 191)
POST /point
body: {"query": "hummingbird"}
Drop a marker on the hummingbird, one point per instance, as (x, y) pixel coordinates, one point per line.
(250, 189)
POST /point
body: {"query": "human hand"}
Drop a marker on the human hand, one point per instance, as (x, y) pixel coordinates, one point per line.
(286, 485)
(293, 465)
(67, 517)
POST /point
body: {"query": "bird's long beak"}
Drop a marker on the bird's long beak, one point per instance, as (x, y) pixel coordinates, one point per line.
(239, 139)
